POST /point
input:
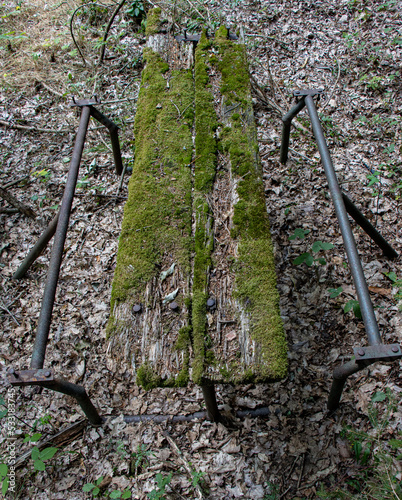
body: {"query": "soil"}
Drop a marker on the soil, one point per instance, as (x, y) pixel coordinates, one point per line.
(351, 50)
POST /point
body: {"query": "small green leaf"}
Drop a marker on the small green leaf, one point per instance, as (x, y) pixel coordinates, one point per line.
(115, 494)
(39, 465)
(301, 258)
(378, 396)
(3, 470)
(96, 491)
(326, 245)
(35, 437)
(88, 487)
(126, 494)
(309, 260)
(47, 453)
(299, 233)
(395, 443)
(4, 486)
(334, 292)
(99, 480)
(317, 246)
(35, 453)
(392, 276)
(322, 261)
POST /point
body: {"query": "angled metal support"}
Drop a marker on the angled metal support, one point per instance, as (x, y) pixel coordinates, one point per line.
(376, 350)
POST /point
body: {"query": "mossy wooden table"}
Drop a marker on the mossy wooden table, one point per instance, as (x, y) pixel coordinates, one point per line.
(194, 294)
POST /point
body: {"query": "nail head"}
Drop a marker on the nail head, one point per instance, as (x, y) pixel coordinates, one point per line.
(174, 306)
(47, 374)
(395, 348)
(361, 352)
(137, 308)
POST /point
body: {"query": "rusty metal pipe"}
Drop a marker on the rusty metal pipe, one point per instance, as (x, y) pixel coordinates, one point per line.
(80, 395)
(208, 391)
(369, 229)
(287, 120)
(114, 137)
(37, 249)
(355, 265)
(42, 335)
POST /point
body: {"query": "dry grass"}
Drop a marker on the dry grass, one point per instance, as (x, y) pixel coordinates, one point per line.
(37, 44)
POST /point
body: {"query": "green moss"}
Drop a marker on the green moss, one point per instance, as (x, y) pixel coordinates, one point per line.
(157, 215)
(204, 176)
(255, 277)
(147, 378)
(153, 22)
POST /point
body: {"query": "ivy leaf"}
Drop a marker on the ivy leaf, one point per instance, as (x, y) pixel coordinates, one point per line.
(47, 453)
(378, 396)
(3, 470)
(35, 453)
(4, 486)
(39, 465)
(88, 487)
(299, 233)
(334, 292)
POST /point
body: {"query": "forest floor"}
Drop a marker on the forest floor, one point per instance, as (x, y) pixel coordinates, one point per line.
(353, 51)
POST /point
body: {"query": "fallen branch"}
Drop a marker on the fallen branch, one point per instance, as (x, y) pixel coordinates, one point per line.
(185, 463)
(102, 54)
(17, 204)
(32, 129)
(63, 438)
(52, 91)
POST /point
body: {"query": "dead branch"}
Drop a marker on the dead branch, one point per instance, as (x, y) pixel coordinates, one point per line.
(102, 54)
(32, 129)
(185, 463)
(24, 209)
(62, 438)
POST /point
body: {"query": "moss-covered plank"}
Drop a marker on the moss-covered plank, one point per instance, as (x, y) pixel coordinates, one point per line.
(241, 338)
(156, 228)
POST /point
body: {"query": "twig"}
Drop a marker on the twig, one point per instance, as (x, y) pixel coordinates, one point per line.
(301, 472)
(52, 91)
(5, 308)
(121, 180)
(14, 182)
(17, 204)
(184, 462)
(72, 31)
(32, 129)
(102, 54)
(333, 88)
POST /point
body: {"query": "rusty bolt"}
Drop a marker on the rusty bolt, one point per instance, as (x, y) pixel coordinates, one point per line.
(137, 308)
(174, 306)
(48, 374)
(361, 352)
(395, 348)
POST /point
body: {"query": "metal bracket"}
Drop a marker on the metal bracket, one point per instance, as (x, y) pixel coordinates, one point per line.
(84, 102)
(379, 352)
(30, 377)
(304, 92)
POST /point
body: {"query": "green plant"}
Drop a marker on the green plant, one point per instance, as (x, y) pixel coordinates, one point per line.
(377, 454)
(139, 459)
(397, 283)
(136, 10)
(355, 306)
(309, 259)
(161, 482)
(94, 488)
(273, 492)
(334, 292)
(299, 233)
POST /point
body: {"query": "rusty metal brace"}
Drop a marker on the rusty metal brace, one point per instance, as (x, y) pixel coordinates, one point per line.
(376, 351)
(58, 227)
(49, 232)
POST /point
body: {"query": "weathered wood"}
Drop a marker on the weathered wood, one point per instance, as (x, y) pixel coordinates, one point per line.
(156, 233)
(207, 223)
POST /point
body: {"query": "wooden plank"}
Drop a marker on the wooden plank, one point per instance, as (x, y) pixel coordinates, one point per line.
(156, 229)
(242, 338)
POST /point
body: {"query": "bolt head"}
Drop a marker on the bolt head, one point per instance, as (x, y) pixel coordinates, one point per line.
(137, 308)
(48, 374)
(11, 371)
(361, 352)
(174, 306)
(211, 303)
(395, 348)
